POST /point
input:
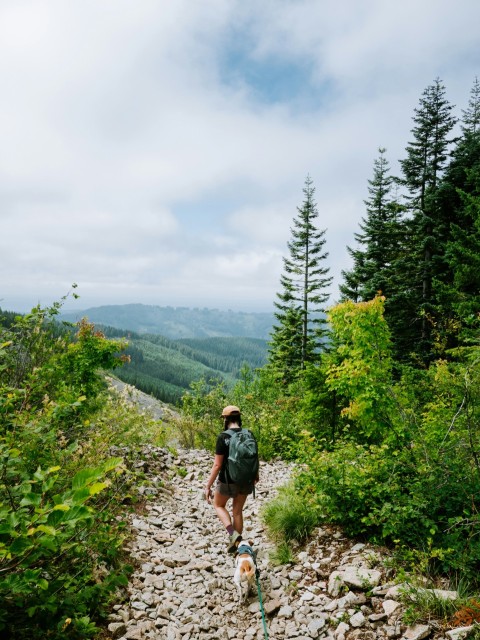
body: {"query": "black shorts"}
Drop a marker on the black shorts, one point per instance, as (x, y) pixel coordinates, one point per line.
(233, 490)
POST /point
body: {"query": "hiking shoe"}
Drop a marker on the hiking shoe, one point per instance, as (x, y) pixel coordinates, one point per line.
(234, 541)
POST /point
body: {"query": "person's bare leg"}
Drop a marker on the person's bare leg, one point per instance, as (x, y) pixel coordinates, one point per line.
(220, 502)
(237, 512)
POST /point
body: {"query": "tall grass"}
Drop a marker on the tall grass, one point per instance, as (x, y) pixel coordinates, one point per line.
(288, 517)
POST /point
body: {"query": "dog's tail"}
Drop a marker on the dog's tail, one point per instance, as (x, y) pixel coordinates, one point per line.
(247, 569)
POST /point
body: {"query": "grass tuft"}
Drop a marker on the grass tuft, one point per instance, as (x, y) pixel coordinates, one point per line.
(282, 554)
(287, 517)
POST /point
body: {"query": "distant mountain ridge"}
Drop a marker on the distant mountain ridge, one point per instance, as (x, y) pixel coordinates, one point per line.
(178, 322)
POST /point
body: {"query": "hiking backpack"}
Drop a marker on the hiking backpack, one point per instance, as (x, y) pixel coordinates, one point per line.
(242, 461)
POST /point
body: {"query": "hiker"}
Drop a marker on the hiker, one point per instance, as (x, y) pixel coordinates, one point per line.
(226, 488)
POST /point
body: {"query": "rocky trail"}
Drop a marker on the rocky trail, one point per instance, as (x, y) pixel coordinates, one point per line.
(183, 587)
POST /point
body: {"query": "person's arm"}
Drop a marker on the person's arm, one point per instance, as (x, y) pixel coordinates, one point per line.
(217, 465)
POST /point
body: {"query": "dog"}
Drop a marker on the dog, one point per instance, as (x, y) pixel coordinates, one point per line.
(245, 571)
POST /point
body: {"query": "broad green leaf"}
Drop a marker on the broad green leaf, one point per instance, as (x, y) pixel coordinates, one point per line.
(53, 469)
(48, 542)
(20, 545)
(39, 475)
(111, 463)
(31, 499)
(61, 507)
(81, 495)
(13, 520)
(48, 484)
(85, 477)
(6, 528)
(97, 487)
(51, 531)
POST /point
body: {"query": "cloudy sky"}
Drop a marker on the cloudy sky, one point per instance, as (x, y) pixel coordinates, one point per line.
(155, 151)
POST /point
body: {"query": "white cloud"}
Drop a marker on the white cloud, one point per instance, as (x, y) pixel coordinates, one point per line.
(117, 118)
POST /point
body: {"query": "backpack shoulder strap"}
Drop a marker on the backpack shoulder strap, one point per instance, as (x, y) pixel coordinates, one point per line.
(232, 432)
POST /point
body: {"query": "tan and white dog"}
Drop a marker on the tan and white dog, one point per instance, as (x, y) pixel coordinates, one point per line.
(244, 576)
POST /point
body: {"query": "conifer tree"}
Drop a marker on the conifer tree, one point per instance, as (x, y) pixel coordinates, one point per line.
(458, 284)
(423, 168)
(378, 242)
(285, 347)
(301, 329)
(471, 115)
(381, 258)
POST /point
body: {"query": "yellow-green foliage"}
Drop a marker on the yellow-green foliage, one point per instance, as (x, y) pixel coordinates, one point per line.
(359, 368)
(407, 471)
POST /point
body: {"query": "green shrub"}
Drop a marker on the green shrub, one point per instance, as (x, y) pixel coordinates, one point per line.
(60, 543)
(268, 411)
(289, 516)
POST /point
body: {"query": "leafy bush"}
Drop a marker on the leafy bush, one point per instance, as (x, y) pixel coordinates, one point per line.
(269, 412)
(60, 542)
(201, 422)
(418, 486)
(369, 490)
(360, 366)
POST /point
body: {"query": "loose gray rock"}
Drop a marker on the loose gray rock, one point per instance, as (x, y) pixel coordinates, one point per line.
(117, 629)
(361, 577)
(335, 583)
(417, 632)
(460, 632)
(358, 620)
(184, 590)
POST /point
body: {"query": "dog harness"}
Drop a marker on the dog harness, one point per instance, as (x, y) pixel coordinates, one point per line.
(246, 548)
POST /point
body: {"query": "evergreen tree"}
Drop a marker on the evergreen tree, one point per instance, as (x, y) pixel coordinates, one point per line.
(458, 283)
(427, 156)
(301, 331)
(378, 240)
(285, 348)
(471, 115)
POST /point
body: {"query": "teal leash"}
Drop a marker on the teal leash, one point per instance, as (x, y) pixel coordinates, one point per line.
(265, 630)
(246, 548)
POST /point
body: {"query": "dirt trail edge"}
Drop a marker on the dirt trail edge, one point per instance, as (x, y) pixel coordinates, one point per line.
(184, 590)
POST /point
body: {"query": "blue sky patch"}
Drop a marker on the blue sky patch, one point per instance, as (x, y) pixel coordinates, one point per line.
(271, 80)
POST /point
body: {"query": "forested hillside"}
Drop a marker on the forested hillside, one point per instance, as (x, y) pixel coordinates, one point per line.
(166, 368)
(178, 322)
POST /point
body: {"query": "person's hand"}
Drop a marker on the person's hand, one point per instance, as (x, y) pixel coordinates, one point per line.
(208, 493)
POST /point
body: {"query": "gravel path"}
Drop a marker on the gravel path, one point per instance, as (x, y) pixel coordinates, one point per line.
(183, 589)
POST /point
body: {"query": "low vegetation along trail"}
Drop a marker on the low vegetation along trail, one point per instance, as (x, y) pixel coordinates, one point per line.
(183, 586)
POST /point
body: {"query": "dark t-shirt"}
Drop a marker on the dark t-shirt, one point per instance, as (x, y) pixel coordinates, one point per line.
(221, 449)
